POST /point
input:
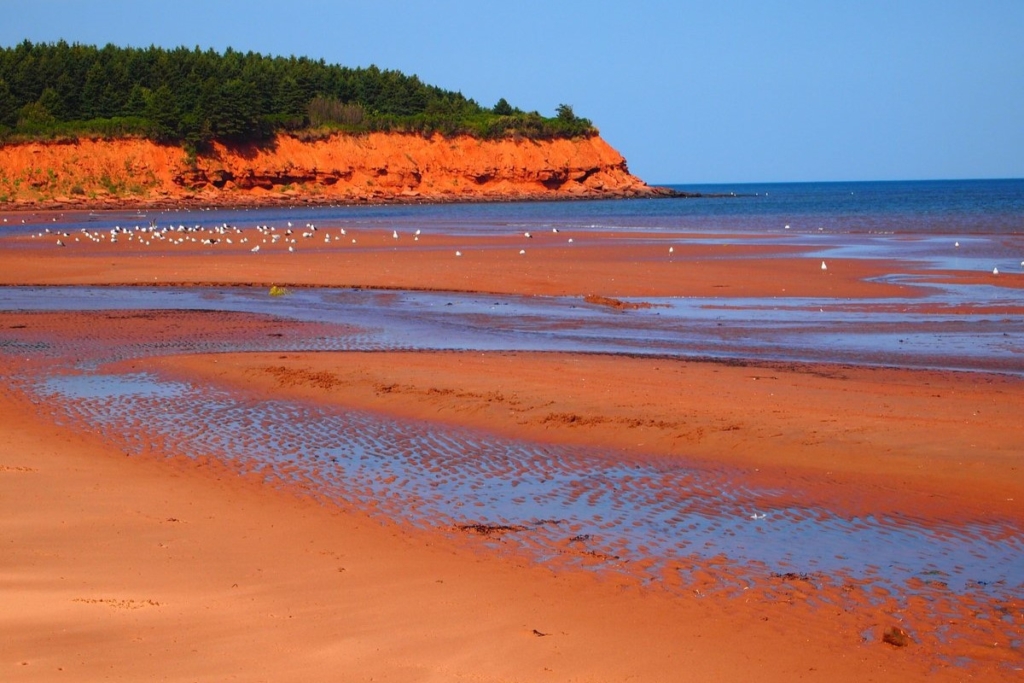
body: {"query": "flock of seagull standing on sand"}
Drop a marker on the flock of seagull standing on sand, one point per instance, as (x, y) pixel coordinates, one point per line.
(180, 234)
(210, 236)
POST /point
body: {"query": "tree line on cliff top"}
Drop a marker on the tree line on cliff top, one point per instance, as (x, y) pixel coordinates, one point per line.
(58, 91)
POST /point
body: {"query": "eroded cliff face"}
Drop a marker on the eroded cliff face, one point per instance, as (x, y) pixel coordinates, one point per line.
(368, 168)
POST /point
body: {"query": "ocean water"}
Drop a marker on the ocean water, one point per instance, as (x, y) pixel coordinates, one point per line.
(933, 207)
(918, 221)
(910, 208)
(968, 225)
(961, 207)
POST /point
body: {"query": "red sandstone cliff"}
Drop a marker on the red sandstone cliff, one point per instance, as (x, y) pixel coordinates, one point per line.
(377, 167)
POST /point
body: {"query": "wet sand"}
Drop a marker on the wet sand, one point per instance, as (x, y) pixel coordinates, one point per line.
(604, 264)
(130, 568)
(947, 442)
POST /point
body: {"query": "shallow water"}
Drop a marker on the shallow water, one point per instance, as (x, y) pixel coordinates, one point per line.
(938, 331)
(573, 505)
(644, 517)
(657, 521)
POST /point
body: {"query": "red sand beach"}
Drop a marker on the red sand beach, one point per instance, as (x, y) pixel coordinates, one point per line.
(167, 568)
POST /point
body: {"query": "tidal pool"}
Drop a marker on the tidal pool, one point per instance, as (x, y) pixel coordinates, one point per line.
(655, 520)
(954, 327)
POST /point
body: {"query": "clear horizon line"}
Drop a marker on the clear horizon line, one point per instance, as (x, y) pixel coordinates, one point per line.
(862, 180)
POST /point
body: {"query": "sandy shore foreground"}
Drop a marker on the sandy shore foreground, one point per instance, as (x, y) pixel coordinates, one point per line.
(120, 568)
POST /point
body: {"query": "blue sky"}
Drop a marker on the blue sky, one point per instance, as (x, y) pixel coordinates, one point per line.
(689, 92)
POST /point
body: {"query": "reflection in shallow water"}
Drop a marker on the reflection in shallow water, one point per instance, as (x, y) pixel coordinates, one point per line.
(95, 387)
(960, 328)
(656, 514)
(653, 520)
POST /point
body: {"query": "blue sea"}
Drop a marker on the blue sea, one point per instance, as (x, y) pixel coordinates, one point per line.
(920, 207)
(944, 207)
(934, 207)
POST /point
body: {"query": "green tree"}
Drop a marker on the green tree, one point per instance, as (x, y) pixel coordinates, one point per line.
(34, 118)
(50, 101)
(289, 99)
(163, 115)
(195, 96)
(8, 106)
(69, 90)
(135, 105)
(235, 116)
(92, 92)
(503, 108)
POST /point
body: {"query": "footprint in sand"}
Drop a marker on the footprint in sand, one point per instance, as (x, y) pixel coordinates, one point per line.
(118, 603)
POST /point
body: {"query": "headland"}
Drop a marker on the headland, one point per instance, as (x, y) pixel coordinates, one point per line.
(332, 169)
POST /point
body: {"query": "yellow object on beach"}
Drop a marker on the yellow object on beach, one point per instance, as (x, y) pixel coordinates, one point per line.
(278, 291)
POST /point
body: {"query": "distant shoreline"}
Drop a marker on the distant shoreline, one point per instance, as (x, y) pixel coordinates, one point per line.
(208, 202)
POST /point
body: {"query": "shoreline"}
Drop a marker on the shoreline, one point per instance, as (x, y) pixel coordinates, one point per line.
(119, 561)
(151, 566)
(604, 264)
(138, 568)
(227, 201)
(735, 415)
